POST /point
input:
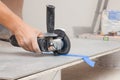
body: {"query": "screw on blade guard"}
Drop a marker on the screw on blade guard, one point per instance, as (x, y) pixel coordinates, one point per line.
(55, 41)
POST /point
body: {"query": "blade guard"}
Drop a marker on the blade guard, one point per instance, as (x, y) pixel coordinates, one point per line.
(66, 42)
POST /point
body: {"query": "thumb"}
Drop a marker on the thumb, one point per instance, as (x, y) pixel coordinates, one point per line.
(40, 35)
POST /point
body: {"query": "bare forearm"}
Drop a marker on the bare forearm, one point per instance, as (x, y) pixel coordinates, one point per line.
(25, 34)
(9, 19)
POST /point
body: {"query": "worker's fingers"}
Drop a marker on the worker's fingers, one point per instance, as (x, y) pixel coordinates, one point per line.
(29, 46)
(25, 43)
(26, 48)
(28, 40)
(51, 48)
(35, 45)
(41, 35)
(22, 44)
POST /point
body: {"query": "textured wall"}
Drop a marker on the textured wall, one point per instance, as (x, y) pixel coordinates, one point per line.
(69, 13)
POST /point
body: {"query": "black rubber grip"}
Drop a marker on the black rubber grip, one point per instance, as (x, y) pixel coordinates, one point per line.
(13, 41)
(50, 18)
(41, 42)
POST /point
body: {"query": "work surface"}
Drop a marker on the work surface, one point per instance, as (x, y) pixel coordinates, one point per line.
(15, 63)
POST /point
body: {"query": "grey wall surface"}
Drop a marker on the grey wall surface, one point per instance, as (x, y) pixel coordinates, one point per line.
(69, 13)
(114, 5)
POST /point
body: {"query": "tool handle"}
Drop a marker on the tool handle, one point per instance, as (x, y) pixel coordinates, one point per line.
(41, 42)
(50, 18)
(13, 41)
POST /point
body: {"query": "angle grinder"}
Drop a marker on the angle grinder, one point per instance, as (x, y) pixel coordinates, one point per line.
(55, 41)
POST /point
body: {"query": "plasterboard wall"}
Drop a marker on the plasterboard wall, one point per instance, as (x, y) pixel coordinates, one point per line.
(69, 13)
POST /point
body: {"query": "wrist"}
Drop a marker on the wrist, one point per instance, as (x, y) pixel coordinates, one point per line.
(9, 19)
(14, 24)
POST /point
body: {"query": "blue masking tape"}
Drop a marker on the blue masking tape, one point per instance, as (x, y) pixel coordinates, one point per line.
(85, 58)
(88, 61)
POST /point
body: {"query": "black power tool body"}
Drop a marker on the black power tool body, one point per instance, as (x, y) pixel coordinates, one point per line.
(55, 41)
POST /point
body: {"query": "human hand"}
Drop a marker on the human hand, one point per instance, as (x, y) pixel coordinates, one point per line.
(27, 37)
